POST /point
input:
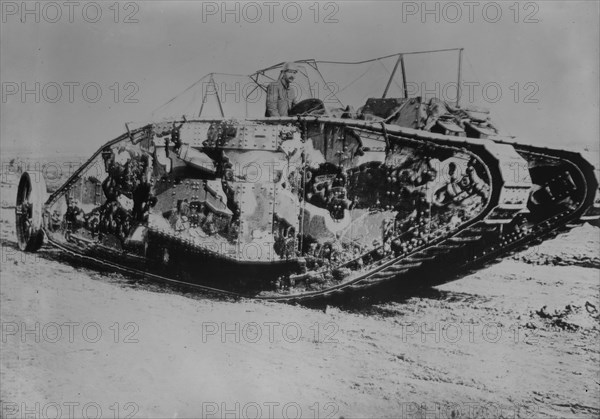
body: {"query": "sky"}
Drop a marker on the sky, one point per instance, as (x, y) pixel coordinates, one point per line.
(73, 78)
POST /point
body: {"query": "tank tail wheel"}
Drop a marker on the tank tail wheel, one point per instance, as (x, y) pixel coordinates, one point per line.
(31, 196)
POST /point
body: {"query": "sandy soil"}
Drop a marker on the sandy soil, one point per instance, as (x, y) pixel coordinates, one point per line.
(517, 339)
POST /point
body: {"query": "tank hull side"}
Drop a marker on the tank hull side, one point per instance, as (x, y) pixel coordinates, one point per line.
(285, 209)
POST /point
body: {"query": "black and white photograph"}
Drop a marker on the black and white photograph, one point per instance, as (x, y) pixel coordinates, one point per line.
(300, 209)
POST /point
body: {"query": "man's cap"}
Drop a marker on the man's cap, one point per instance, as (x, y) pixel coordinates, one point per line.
(290, 66)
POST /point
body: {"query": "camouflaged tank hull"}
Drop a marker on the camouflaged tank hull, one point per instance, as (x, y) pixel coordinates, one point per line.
(305, 207)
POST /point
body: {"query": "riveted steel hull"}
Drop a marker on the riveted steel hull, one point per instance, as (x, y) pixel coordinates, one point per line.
(306, 207)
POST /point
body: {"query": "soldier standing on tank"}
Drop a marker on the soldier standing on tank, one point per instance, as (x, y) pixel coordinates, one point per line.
(281, 97)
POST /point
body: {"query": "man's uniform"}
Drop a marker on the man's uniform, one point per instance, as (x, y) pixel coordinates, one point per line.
(281, 96)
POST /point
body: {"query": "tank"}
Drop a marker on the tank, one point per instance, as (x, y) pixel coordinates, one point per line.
(322, 203)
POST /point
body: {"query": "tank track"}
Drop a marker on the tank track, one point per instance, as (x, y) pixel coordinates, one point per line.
(547, 225)
(504, 226)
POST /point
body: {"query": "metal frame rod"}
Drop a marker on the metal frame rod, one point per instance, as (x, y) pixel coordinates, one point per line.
(217, 94)
(404, 86)
(388, 56)
(387, 87)
(458, 87)
(203, 99)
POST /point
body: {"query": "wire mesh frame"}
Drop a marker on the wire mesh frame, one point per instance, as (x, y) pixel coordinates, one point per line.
(254, 77)
(399, 62)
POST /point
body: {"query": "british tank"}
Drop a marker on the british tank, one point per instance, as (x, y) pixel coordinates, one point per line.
(327, 201)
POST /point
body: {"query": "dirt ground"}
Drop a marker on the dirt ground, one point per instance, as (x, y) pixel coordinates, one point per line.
(517, 339)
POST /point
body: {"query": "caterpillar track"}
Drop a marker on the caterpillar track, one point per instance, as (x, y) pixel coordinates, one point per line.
(346, 205)
(571, 198)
